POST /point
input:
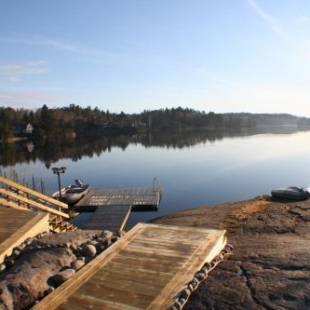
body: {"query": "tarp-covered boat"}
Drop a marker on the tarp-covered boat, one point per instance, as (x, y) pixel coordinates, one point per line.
(291, 193)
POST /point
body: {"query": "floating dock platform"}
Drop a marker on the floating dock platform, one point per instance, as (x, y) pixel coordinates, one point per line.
(145, 269)
(113, 206)
(138, 198)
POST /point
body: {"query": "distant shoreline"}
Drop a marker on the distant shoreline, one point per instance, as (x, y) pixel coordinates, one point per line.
(73, 121)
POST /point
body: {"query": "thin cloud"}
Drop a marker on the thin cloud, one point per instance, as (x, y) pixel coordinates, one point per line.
(272, 21)
(15, 72)
(299, 46)
(59, 45)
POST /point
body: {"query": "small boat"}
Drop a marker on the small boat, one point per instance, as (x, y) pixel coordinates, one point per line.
(291, 193)
(72, 193)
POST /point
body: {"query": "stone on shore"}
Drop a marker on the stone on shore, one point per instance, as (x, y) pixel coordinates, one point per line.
(89, 250)
(61, 277)
(78, 264)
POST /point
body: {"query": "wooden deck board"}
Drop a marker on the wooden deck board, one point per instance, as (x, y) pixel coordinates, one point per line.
(139, 271)
(16, 226)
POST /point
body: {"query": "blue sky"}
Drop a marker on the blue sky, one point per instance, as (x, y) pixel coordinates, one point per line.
(240, 55)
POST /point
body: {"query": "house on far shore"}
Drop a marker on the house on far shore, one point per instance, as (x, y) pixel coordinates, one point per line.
(28, 130)
(30, 147)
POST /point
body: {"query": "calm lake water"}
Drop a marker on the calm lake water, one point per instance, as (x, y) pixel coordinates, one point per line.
(194, 169)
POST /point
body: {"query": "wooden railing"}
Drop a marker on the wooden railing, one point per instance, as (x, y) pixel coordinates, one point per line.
(31, 194)
(11, 204)
(16, 196)
(24, 202)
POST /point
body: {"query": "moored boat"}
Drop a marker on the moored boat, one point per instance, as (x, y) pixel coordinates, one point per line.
(291, 193)
(72, 193)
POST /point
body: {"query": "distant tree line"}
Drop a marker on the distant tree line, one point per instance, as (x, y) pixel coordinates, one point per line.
(75, 121)
(61, 123)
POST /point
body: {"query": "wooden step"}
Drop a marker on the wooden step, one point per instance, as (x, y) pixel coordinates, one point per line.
(57, 224)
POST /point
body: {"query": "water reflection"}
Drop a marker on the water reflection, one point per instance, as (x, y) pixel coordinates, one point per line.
(28, 152)
(193, 168)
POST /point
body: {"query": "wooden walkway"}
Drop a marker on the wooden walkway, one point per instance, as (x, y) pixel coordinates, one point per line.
(143, 270)
(113, 218)
(148, 198)
(113, 206)
(16, 226)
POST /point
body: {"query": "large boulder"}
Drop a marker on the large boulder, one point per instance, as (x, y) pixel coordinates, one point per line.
(45, 263)
(27, 280)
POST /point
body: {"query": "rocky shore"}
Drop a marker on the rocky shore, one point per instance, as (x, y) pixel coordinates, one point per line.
(270, 266)
(40, 265)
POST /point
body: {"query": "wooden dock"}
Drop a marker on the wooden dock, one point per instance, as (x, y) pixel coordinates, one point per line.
(138, 198)
(113, 206)
(143, 270)
(17, 225)
(113, 218)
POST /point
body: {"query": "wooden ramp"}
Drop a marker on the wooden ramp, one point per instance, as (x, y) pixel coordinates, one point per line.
(143, 270)
(113, 218)
(148, 198)
(16, 226)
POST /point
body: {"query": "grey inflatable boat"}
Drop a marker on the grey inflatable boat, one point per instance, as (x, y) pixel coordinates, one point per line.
(291, 193)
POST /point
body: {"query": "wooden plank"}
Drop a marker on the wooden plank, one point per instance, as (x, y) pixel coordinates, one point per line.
(141, 272)
(125, 219)
(11, 204)
(31, 203)
(33, 193)
(16, 226)
(207, 251)
(113, 218)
